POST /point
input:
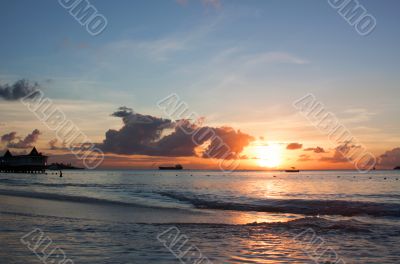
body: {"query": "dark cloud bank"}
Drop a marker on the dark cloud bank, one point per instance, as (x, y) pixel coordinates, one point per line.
(11, 140)
(153, 136)
(390, 159)
(18, 90)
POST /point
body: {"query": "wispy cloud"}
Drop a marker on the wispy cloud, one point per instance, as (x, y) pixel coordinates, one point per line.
(356, 115)
(158, 49)
(316, 150)
(244, 58)
(213, 3)
(304, 158)
(161, 48)
(273, 57)
(182, 2)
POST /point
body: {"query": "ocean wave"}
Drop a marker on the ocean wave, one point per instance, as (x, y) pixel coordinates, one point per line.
(323, 225)
(349, 195)
(319, 225)
(315, 223)
(16, 182)
(294, 206)
(291, 227)
(72, 198)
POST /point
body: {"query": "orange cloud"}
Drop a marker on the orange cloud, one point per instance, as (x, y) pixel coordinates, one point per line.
(294, 146)
(316, 150)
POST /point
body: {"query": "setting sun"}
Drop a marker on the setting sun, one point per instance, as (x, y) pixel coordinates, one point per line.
(269, 156)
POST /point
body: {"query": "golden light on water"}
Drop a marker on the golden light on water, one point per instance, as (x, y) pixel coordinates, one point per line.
(269, 156)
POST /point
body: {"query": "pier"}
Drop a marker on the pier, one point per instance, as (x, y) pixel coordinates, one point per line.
(34, 163)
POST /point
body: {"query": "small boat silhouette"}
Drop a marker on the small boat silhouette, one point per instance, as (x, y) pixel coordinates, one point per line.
(176, 167)
(292, 170)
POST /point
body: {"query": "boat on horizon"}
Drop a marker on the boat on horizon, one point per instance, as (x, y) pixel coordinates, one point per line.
(176, 167)
(292, 170)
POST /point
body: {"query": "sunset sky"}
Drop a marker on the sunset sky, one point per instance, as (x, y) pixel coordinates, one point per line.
(238, 64)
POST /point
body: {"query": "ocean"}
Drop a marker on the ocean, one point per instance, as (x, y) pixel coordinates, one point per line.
(149, 216)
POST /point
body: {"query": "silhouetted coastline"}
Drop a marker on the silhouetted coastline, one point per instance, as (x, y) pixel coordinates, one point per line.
(62, 166)
(34, 162)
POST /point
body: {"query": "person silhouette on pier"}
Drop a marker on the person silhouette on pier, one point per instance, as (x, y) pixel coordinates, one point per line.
(60, 174)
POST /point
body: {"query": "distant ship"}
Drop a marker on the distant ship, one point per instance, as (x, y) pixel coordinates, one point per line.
(292, 170)
(176, 167)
